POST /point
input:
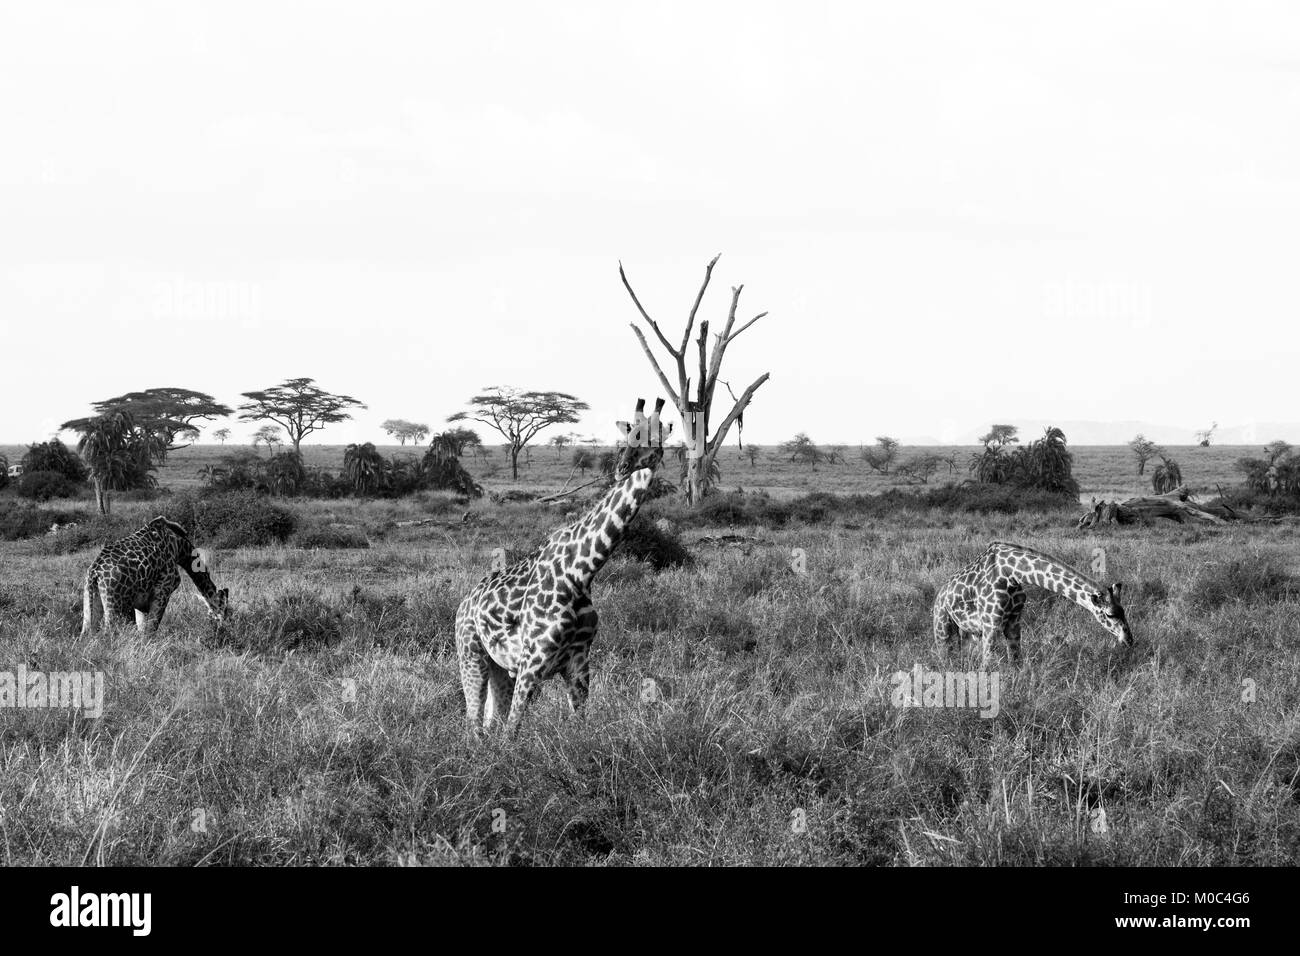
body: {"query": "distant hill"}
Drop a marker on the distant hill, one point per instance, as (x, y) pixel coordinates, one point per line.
(1119, 433)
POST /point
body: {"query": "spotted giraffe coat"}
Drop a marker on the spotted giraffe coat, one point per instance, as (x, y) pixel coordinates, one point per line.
(138, 574)
(986, 598)
(532, 620)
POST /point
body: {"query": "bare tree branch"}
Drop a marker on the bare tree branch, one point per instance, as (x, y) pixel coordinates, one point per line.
(745, 326)
(690, 322)
(663, 379)
(736, 410)
(645, 315)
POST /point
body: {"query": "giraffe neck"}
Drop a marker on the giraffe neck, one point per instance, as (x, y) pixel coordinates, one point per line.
(597, 534)
(185, 560)
(1034, 567)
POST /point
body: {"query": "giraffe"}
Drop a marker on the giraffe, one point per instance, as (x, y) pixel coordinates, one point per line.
(139, 573)
(534, 619)
(987, 597)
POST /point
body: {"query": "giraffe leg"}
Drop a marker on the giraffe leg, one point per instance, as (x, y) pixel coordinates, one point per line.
(527, 685)
(577, 679)
(1011, 623)
(156, 611)
(500, 693)
(473, 672)
(996, 617)
(947, 635)
(153, 615)
(90, 604)
(577, 667)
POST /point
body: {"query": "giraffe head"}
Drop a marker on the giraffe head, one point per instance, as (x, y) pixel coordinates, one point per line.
(644, 442)
(1106, 608)
(219, 606)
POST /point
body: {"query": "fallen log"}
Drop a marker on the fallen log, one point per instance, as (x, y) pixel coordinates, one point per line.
(1174, 505)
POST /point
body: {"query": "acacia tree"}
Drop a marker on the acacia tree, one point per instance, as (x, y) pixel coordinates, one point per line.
(882, 457)
(561, 442)
(1144, 449)
(703, 441)
(454, 441)
(999, 436)
(518, 416)
(268, 435)
(803, 450)
(919, 469)
(583, 460)
(401, 429)
(299, 406)
(163, 419)
(221, 434)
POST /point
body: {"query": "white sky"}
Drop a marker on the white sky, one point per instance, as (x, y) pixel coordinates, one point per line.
(954, 215)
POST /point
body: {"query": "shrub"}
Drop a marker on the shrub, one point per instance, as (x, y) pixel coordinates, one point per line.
(1260, 502)
(295, 621)
(4, 472)
(730, 508)
(232, 519)
(659, 549)
(91, 531)
(56, 457)
(1167, 476)
(44, 485)
(18, 520)
(329, 536)
(1044, 464)
(994, 499)
(1259, 579)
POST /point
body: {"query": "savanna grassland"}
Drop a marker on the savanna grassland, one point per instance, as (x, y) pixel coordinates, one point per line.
(740, 708)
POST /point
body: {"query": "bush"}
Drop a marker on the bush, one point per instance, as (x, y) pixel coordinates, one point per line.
(741, 510)
(1043, 465)
(1259, 579)
(295, 621)
(91, 531)
(660, 549)
(19, 520)
(44, 485)
(1259, 502)
(4, 472)
(231, 519)
(994, 499)
(329, 536)
(56, 457)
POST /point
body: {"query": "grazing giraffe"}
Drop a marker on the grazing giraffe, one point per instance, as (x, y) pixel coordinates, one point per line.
(139, 573)
(987, 597)
(534, 619)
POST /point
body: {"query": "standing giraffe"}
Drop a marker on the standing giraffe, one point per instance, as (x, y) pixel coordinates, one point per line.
(139, 573)
(534, 619)
(987, 597)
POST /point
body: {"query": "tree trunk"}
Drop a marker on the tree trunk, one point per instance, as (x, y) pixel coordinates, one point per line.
(693, 489)
(101, 497)
(514, 463)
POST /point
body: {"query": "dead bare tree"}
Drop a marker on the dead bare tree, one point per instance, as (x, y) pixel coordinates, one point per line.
(703, 443)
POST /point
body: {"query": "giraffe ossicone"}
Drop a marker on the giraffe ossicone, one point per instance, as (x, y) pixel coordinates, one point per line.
(137, 575)
(534, 619)
(987, 597)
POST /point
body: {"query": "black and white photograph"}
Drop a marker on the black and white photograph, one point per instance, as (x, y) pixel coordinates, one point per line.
(674, 435)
